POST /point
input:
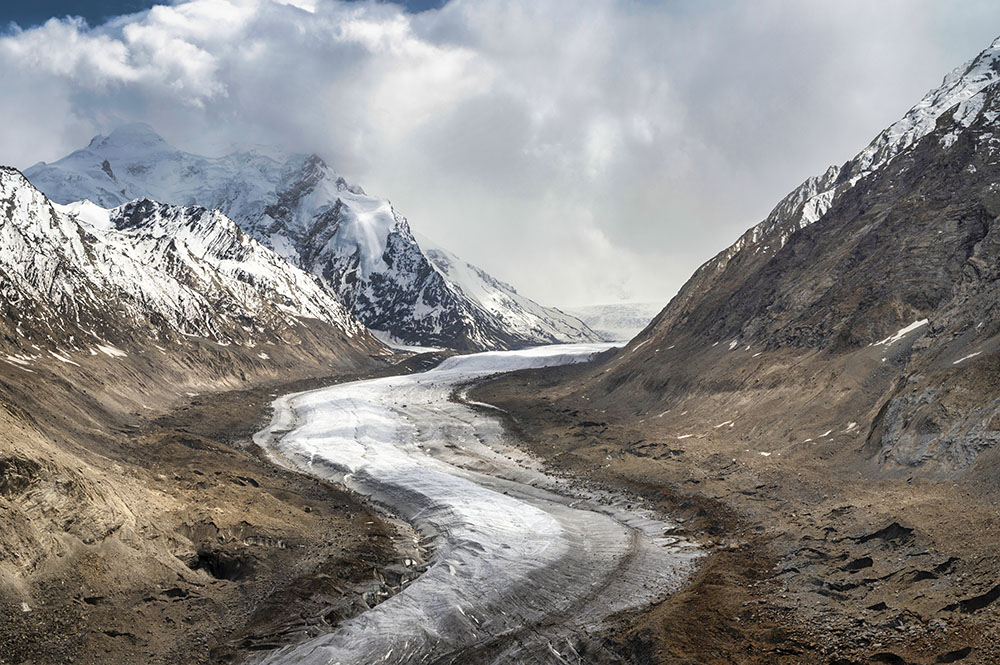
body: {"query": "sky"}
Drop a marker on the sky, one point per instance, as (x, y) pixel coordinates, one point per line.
(585, 151)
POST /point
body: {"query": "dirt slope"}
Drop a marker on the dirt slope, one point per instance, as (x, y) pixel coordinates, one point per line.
(137, 524)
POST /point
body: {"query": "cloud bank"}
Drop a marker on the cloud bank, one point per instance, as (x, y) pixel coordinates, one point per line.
(583, 150)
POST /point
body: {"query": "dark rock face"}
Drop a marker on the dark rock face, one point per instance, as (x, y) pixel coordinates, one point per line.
(903, 233)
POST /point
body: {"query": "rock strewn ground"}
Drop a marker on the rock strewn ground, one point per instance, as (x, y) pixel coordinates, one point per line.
(818, 555)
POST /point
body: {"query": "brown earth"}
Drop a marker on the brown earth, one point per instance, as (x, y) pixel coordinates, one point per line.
(147, 535)
(818, 554)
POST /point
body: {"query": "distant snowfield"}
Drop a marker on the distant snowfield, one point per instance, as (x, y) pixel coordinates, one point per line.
(521, 560)
(618, 322)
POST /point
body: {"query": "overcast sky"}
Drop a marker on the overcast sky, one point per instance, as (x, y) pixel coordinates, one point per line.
(586, 151)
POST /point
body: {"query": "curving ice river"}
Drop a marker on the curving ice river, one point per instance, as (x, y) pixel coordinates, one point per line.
(523, 565)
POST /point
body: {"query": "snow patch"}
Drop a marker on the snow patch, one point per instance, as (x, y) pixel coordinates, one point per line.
(63, 359)
(901, 333)
(111, 351)
(964, 358)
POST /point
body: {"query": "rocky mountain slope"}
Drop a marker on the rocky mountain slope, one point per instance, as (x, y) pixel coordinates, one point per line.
(358, 245)
(892, 253)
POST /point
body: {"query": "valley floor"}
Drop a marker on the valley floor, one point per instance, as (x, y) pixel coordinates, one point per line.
(827, 562)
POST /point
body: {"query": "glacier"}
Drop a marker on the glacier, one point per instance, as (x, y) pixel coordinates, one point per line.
(523, 564)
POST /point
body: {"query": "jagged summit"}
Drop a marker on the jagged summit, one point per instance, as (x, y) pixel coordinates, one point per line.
(358, 245)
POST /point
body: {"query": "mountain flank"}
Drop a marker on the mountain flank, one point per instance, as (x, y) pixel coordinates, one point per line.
(821, 399)
(140, 348)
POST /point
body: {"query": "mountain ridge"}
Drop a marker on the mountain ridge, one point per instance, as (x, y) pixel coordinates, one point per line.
(147, 273)
(358, 245)
(907, 233)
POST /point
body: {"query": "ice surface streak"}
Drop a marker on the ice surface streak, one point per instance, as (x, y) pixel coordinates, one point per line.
(525, 566)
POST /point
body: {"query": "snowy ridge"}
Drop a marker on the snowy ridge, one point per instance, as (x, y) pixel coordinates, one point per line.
(962, 92)
(963, 87)
(501, 301)
(358, 245)
(146, 268)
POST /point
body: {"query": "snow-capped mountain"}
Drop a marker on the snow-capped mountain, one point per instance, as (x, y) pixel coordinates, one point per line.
(503, 303)
(145, 271)
(964, 98)
(358, 245)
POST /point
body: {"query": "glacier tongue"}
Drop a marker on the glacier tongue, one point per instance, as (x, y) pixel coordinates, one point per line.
(524, 565)
(358, 245)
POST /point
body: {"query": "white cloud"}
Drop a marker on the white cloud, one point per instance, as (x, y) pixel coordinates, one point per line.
(580, 149)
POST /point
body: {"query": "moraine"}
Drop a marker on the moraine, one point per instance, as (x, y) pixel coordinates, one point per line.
(524, 565)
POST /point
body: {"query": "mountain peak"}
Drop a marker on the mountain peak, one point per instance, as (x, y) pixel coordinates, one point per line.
(359, 248)
(131, 135)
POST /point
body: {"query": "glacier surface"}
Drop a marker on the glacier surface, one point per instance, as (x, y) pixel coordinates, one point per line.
(524, 564)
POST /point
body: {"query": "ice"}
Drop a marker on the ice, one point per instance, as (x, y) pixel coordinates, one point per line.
(902, 332)
(521, 560)
(398, 345)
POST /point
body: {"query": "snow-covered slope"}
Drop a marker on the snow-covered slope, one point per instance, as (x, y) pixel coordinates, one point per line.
(501, 301)
(359, 246)
(618, 322)
(83, 275)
